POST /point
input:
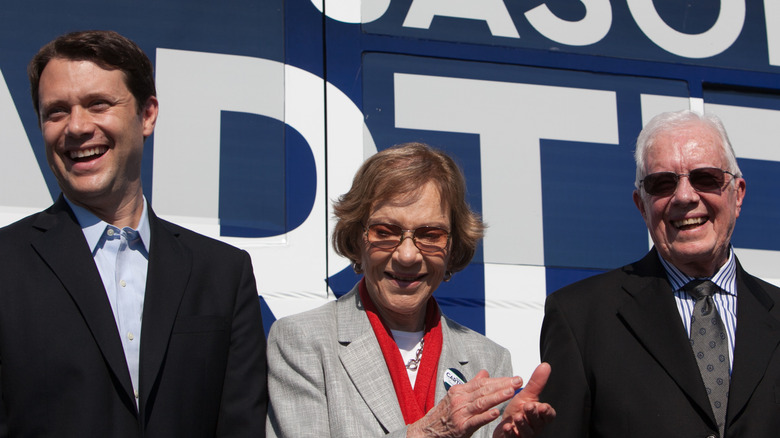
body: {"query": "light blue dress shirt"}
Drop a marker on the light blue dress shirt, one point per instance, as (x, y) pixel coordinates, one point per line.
(725, 299)
(121, 256)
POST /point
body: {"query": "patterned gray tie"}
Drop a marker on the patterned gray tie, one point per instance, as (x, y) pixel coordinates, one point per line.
(710, 346)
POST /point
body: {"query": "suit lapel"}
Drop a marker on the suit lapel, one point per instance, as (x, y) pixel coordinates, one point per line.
(64, 249)
(168, 272)
(452, 356)
(757, 338)
(652, 316)
(369, 376)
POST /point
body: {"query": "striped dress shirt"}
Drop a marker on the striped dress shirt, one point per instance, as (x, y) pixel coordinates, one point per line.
(725, 298)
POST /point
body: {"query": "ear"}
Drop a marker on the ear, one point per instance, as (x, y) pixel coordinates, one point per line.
(640, 204)
(149, 115)
(739, 186)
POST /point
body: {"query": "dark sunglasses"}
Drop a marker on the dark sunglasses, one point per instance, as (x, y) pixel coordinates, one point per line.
(703, 179)
(426, 239)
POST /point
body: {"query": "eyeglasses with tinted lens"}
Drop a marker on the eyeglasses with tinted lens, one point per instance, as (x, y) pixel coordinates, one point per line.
(426, 239)
(703, 179)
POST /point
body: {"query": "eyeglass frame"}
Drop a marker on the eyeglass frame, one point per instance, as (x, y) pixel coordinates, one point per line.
(677, 177)
(403, 236)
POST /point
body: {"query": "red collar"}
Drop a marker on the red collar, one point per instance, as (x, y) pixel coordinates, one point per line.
(414, 402)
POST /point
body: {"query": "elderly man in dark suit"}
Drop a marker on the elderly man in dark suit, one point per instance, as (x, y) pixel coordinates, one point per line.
(113, 322)
(683, 343)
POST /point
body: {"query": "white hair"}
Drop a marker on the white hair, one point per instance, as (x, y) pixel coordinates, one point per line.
(672, 120)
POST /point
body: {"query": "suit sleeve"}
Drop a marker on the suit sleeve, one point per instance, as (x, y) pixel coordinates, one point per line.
(3, 420)
(296, 384)
(245, 395)
(567, 389)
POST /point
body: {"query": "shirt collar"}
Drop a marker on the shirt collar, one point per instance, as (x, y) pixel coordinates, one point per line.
(725, 277)
(93, 227)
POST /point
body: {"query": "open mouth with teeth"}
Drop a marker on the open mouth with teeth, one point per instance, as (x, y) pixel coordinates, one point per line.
(690, 223)
(405, 278)
(89, 154)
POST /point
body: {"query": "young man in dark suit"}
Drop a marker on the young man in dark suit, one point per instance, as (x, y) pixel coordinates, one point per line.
(113, 322)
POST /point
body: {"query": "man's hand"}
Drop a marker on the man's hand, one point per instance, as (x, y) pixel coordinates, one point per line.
(525, 416)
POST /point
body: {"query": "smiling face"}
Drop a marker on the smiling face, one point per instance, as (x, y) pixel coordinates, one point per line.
(690, 229)
(94, 135)
(400, 281)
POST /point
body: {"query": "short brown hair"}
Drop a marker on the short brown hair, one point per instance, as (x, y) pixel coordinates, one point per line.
(402, 169)
(105, 48)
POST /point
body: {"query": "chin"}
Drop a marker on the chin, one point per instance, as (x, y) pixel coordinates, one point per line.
(693, 254)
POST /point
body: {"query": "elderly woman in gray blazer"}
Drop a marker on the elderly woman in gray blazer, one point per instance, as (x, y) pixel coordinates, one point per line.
(383, 360)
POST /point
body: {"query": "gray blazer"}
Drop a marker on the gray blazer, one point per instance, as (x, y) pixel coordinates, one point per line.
(327, 376)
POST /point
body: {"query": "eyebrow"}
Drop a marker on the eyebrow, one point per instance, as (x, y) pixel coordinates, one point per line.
(388, 221)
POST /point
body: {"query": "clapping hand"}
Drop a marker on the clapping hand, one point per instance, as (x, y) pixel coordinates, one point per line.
(525, 416)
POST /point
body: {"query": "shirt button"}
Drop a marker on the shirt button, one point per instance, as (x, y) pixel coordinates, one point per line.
(110, 232)
(122, 283)
(135, 392)
(130, 336)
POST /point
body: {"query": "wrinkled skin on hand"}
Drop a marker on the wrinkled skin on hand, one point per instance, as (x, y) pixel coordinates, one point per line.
(466, 407)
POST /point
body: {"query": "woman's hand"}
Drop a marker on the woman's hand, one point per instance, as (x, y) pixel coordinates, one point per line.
(525, 416)
(466, 407)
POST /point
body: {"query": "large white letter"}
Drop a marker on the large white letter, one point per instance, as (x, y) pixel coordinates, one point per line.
(590, 30)
(772, 17)
(510, 119)
(352, 11)
(494, 12)
(704, 45)
(194, 88)
(23, 190)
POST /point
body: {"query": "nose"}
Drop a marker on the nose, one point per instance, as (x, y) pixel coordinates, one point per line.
(685, 193)
(79, 122)
(406, 252)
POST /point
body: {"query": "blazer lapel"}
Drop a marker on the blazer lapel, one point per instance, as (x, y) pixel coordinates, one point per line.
(167, 275)
(363, 361)
(452, 356)
(652, 316)
(757, 338)
(63, 247)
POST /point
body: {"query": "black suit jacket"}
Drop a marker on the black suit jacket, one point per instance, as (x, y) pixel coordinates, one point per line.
(62, 368)
(622, 365)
